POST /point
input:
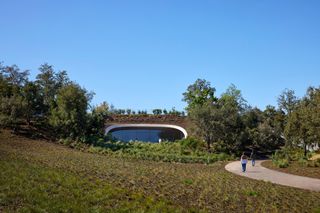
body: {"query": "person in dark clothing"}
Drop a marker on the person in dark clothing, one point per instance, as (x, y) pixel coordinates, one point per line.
(253, 157)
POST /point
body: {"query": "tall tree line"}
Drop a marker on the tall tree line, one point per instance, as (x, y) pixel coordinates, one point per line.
(51, 101)
(227, 123)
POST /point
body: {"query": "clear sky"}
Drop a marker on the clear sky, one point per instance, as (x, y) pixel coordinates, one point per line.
(144, 54)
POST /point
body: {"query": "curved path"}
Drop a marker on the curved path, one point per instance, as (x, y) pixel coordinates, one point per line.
(261, 173)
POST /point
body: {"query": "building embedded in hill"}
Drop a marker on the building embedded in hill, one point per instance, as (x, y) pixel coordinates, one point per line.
(147, 128)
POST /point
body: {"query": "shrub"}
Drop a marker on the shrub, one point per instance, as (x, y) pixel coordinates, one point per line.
(191, 143)
(314, 163)
(303, 162)
(282, 163)
(283, 157)
(165, 151)
(66, 141)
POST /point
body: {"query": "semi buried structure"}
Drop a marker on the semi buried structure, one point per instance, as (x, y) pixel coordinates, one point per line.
(146, 128)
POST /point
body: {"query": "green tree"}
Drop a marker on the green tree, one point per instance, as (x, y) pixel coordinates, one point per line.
(47, 84)
(219, 123)
(5, 87)
(173, 111)
(264, 129)
(268, 133)
(69, 118)
(157, 111)
(14, 75)
(12, 111)
(12, 103)
(234, 95)
(199, 93)
(34, 101)
(232, 106)
(50, 82)
(206, 120)
(61, 79)
(302, 128)
(252, 117)
(97, 118)
(287, 101)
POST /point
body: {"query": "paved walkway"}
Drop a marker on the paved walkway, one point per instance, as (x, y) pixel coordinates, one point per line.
(261, 173)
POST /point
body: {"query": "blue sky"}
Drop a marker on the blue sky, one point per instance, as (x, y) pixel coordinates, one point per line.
(144, 54)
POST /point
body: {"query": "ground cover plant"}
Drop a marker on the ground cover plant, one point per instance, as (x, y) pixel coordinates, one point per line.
(294, 161)
(187, 150)
(184, 187)
(37, 188)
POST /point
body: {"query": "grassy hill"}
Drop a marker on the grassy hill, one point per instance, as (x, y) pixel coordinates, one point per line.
(39, 176)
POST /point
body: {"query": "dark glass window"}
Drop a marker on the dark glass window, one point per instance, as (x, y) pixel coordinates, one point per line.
(146, 134)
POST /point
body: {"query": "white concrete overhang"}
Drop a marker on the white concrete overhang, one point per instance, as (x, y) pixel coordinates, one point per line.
(115, 126)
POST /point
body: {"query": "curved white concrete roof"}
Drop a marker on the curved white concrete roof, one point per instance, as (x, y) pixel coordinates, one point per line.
(108, 129)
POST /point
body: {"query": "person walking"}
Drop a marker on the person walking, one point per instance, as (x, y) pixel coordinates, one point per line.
(253, 157)
(244, 161)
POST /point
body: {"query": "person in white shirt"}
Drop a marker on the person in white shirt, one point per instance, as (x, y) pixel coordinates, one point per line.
(244, 161)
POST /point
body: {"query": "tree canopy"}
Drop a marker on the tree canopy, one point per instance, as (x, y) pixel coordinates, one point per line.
(199, 93)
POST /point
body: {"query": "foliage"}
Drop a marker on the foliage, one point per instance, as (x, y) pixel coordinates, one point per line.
(12, 104)
(50, 82)
(187, 150)
(199, 93)
(288, 156)
(157, 111)
(13, 75)
(219, 123)
(287, 101)
(266, 133)
(69, 118)
(233, 96)
(191, 143)
(96, 120)
(302, 125)
(12, 109)
(226, 124)
(52, 101)
(206, 120)
(34, 101)
(282, 163)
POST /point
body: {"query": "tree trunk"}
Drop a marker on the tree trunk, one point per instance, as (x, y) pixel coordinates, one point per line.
(208, 145)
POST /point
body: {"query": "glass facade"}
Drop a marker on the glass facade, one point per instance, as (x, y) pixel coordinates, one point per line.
(146, 134)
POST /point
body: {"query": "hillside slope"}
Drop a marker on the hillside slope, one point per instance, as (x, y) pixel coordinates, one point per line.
(48, 176)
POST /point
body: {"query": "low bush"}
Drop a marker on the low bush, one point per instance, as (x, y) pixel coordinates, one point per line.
(313, 163)
(303, 162)
(184, 151)
(282, 158)
(192, 144)
(282, 163)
